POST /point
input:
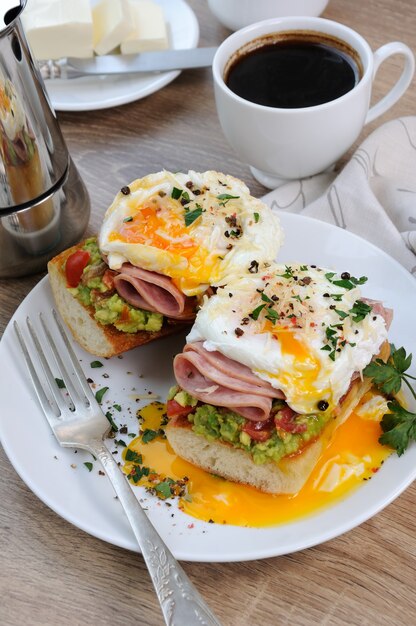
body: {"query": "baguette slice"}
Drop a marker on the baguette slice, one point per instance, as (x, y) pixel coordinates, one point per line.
(97, 339)
(286, 477)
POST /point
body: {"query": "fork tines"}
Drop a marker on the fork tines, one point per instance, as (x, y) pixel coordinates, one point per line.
(46, 351)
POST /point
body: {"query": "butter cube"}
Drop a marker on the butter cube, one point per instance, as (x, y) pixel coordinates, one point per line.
(58, 29)
(112, 23)
(150, 32)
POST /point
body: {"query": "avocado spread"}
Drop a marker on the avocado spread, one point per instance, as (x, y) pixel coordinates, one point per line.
(220, 423)
(110, 309)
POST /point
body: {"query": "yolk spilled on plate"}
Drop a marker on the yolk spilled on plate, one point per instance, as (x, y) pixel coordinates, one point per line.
(352, 456)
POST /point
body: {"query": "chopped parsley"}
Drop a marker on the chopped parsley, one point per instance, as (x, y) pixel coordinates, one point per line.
(138, 472)
(191, 216)
(133, 456)
(88, 465)
(114, 426)
(176, 193)
(149, 435)
(100, 394)
(359, 310)
(255, 314)
(345, 283)
(60, 383)
(163, 488)
(256, 217)
(95, 364)
(288, 272)
(225, 198)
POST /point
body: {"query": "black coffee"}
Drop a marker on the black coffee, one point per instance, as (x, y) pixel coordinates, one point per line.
(293, 71)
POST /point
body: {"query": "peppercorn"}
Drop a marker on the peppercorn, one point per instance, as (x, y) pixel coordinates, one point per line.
(125, 190)
(345, 275)
(323, 405)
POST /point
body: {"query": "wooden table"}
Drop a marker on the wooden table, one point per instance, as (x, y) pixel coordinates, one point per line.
(53, 574)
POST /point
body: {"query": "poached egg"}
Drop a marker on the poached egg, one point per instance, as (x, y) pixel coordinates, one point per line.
(198, 228)
(303, 329)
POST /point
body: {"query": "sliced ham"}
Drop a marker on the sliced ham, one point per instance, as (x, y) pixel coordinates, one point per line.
(215, 379)
(225, 371)
(153, 292)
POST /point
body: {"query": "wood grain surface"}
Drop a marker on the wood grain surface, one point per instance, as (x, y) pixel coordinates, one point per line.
(53, 574)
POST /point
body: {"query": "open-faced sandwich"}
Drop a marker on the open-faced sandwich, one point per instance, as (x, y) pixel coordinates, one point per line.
(273, 364)
(165, 241)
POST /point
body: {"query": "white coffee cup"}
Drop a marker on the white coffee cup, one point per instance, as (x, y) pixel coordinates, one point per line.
(279, 143)
(235, 14)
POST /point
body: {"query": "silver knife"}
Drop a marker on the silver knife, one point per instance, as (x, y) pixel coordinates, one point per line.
(159, 61)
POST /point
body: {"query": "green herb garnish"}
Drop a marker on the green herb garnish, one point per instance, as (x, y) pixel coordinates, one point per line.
(272, 315)
(133, 456)
(149, 435)
(226, 197)
(346, 283)
(359, 310)
(114, 426)
(94, 364)
(138, 472)
(255, 314)
(100, 394)
(342, 314)
(288, 272)
(399, 426)
(88, 465)
(256, 217)
(128, 219)
(191, 216)
(176, 193)
(60, 383)
(163, 488)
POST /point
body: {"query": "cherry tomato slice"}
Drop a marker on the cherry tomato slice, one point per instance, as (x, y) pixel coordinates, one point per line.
(259, 431)
(74, 267)
(174, 409)
(285, 419)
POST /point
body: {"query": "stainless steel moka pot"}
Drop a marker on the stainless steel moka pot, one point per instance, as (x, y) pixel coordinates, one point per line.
(44, 205)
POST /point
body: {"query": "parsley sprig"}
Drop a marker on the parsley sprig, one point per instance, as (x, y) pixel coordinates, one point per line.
(399, 426)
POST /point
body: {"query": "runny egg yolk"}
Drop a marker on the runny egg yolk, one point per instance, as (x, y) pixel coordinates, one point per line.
(302, 376)
(154, 226)
(160, 223)
(352, 456)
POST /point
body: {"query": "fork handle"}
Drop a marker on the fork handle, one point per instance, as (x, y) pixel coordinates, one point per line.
(179, 600)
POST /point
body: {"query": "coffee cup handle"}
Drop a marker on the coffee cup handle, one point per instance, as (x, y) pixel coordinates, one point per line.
(380, 55)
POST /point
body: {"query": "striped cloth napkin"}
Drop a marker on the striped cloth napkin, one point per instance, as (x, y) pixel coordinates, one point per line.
(374, 196)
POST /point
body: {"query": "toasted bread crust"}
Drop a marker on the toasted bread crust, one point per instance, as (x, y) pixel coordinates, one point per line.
(95, 338)
(286, 477)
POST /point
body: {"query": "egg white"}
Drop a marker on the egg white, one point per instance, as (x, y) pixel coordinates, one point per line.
(287, 355)
(221, 250)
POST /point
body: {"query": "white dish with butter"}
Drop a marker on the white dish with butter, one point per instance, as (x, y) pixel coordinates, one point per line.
(60, 479)
(101, 92)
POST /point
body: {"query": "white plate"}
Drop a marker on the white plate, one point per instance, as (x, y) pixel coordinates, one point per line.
(86, 499)
(102, 92)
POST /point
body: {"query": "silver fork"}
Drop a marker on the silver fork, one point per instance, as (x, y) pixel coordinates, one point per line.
(80, 423)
